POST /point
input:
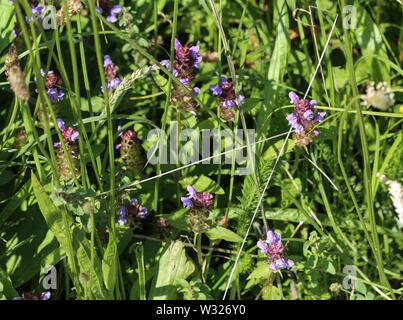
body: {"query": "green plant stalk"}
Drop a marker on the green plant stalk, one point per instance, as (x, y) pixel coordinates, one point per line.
(332, 101)
(10, 121)
(51, 159)
(345, 177)
(329, 212)
(219, 49)
(42, 90)
(167, 101)
(338, 247)
(178, 164)
(200, 254)
(231, 183)
(97, 164)
(110, 132)
(81, 129)
(47, 126)
(72, 255)
(139, 253)
(367, 169)
(27, 119)
(77, 104)
(233, 75)
(137, 47)
(238, 33)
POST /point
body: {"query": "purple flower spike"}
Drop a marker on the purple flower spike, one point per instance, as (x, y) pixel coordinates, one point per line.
(228, 103)
(275, 251)
(263, 246)
(45, 295)
(241, 99)
(192, 192)
(116, 9)
(313, 103)
(177, 44)
(187, 203)
(185, 82)
(216, 90)
(74, 136)
(55, 94)
(107, 61)
(308, 114)
(122, 213)
(320, 116)
(294, 97)
(60, 124)
(112, 18)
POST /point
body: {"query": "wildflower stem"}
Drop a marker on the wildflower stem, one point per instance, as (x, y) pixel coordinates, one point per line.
(199, 254)
(365, 153)
(167, 101)
(233, 75)
(110, 136)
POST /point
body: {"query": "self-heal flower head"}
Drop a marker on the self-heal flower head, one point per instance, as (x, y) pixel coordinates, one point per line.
(275, 251)
(200, 205)
(166, 64)
(52, 84)
(111, 71)
(198, 200)
(131, 152)
(303, 119)
(69, 134)
(55, 94)
(107, 60)
(187, 57)
(227, 98)
(122, 215)
(132, 214)
(112, 18)
(108, 10)
(185, 63)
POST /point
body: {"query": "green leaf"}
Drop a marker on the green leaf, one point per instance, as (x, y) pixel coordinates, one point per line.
(97, 104)
(278, 61)
(16, 202)
(161, 82)
(370, 41)
(271, 293)
(109, 267)
(172, 265)
(360, 287)
(7, 291)
(79, 247)
(194, 290)
(328, 266)
(218, 232)
(262, 271)
(178, 219)
(139, 253)
(7, 22)
(202, 184)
